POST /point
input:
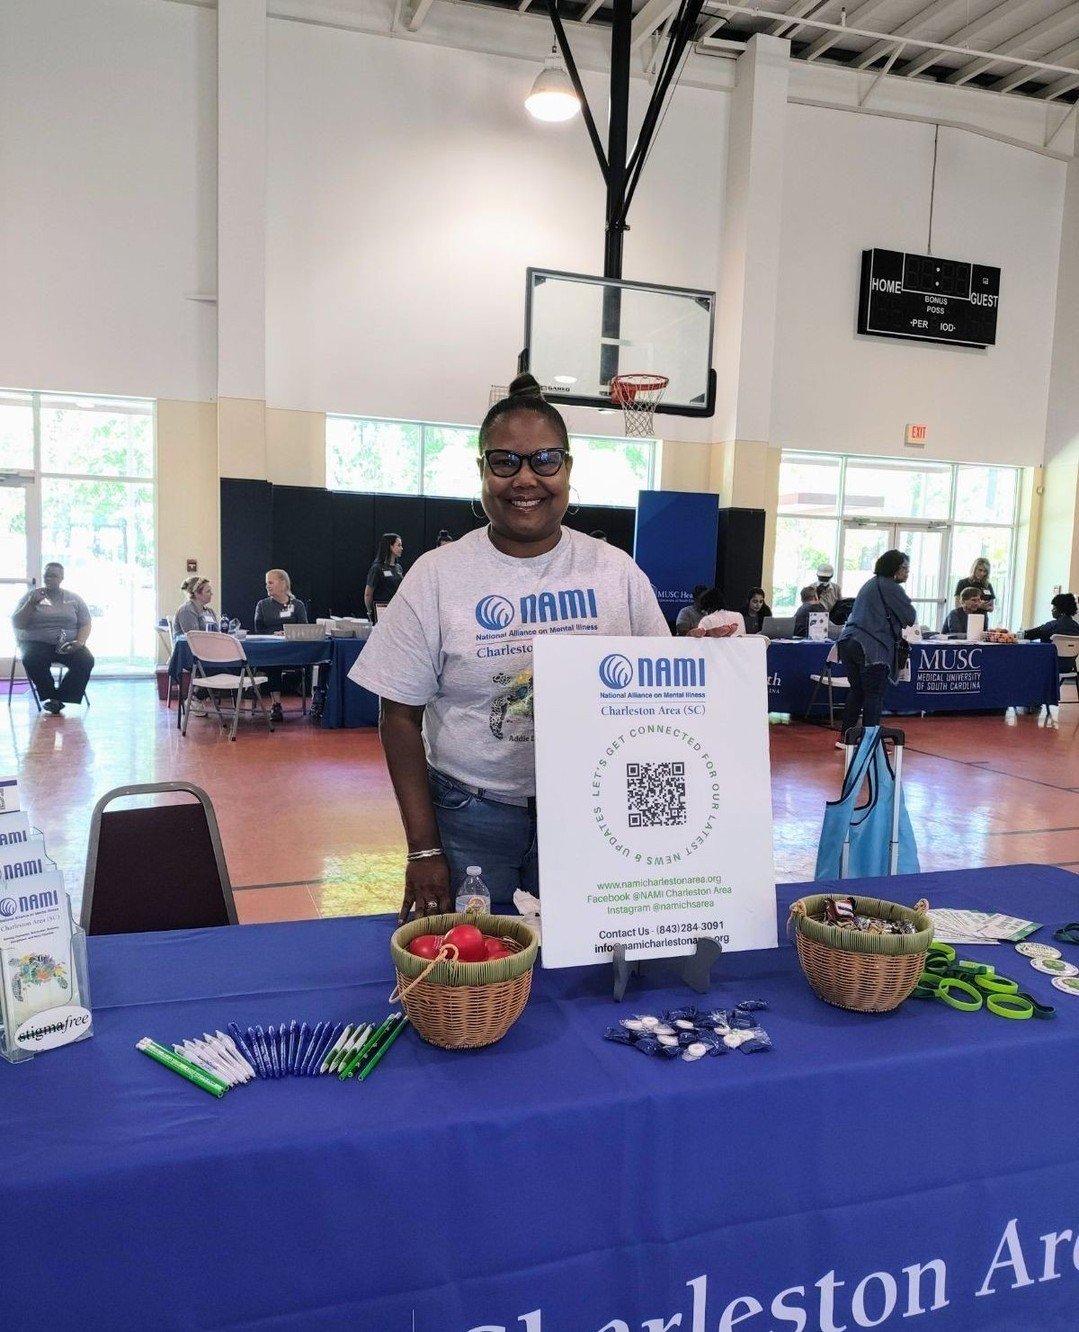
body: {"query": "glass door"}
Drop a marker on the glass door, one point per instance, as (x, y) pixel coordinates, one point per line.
(925, 587)
(18, 562)
(862, 544)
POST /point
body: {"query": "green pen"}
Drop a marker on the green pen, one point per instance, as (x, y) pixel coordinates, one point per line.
(369, 1066)
(396, 1019)
(186, 1069)
(368, 1045)
(357, 1036)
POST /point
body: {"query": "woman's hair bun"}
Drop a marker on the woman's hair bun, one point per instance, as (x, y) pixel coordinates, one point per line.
(525, 386)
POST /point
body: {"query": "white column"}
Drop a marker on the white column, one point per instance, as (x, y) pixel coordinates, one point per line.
(241, 236)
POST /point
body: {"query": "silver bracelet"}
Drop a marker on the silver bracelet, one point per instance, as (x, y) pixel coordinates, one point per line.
(424, 855)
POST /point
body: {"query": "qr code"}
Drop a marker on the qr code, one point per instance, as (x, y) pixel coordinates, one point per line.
(656, 794)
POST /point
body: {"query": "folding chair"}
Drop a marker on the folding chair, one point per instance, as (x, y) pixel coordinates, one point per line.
(155, 868)
(167, 640)
(1067, 646)
(222, 650)
(828, 679)
(57, 666)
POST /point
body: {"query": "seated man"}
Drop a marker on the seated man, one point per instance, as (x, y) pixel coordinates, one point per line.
(689, 617)
(52, 625)
(810, 603)
(1063, 622)
(970, 603)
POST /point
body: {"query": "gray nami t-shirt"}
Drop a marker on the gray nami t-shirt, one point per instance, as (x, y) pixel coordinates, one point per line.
(457, 638)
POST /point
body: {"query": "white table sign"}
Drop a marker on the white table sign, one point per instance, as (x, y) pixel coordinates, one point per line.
(653, 796)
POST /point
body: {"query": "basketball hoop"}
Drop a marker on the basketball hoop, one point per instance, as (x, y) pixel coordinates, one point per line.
(638, 396)
(498, 392)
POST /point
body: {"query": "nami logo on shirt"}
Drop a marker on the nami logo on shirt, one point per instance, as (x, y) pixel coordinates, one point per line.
(494, 612)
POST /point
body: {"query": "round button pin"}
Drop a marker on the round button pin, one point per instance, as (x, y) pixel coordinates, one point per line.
(1037, 950)
(1054, 966)
(1068, 984)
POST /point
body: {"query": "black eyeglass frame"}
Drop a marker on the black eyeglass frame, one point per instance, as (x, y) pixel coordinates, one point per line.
(560, 450)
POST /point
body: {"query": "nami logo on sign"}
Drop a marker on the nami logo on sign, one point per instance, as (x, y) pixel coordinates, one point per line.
(618, 672)
(12, 906)
(615, 671)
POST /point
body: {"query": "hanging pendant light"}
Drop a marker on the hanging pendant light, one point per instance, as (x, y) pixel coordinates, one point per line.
(553, 97)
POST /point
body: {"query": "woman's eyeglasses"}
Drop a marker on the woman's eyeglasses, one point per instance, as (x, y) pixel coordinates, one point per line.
(544, 462)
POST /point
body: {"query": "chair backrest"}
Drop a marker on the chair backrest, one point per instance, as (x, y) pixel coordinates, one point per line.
(833, 655)
(156, 868)
(1066, 645)
(778, 626)
(217, 648)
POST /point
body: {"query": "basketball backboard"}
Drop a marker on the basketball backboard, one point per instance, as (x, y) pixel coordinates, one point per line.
(580, 331)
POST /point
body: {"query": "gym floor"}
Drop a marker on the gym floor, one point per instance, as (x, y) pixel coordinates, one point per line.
(310, 826)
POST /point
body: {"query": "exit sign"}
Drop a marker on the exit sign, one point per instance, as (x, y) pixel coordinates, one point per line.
(916, 435)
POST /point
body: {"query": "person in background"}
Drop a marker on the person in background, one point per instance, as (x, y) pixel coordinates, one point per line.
(52, 625)
(715, 621)
(689, 617)
(970, 603)
(384, 576)
(598, 534)
(196, 612)
(443, 538)
(755, 611)
(456, 722)
(869, 644)
(828, 593)
(979, 578)
(1063, 622)
(278, 608)
(811, 602)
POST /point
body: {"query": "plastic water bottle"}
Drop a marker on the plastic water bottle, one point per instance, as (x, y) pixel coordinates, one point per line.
(473, 895)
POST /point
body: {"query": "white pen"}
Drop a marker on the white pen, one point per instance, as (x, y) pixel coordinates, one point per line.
(338, 1045)
(360, 1033)
(231, 1045)
(230, 1057)
(200, 1054)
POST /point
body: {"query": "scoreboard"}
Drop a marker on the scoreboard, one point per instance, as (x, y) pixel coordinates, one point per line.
(928, 299)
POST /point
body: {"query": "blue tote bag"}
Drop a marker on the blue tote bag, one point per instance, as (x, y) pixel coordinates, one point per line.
(870, 826)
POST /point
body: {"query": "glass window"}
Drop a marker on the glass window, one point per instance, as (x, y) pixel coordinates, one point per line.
(983, 543)
(986, 494)
(449, 461)
(808, 484)
(16, 430)
(103, 534)
(373, 455)
(801, 545)
(97, 437)
(611, 471)
(883, 489)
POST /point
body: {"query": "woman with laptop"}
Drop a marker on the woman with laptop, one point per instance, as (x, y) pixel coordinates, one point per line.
(278, 608)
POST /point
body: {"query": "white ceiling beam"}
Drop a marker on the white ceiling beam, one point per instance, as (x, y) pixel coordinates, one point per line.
(523, 6)
(787, 28)
(418, 14)
(650, 18)
(1053, 25)
(827, 40)
(971, 32)
(1063, 55)
(921, 24)
(587, 14)
(1059, 88)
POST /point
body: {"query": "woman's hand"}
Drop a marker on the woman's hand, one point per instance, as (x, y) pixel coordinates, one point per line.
(427, 888)
(720, 631)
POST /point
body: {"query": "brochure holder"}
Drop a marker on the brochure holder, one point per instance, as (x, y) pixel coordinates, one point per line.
(695, 970)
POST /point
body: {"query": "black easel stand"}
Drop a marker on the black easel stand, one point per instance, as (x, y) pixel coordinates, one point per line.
(695, 970)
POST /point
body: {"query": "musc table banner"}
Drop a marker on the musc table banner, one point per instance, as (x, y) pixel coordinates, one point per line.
(944, 677)
(915, 1171)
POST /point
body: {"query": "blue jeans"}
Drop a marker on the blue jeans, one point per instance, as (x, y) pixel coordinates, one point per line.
(475, 830)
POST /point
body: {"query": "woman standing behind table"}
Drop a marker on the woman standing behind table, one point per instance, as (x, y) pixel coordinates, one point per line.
(869, 644)
(278, 608)
(979, 578)
(384, 576)
(456, 725)
(755, 611)
(196, 612)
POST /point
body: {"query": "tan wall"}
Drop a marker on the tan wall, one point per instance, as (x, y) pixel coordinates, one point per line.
(295, 447)
(188, 495)
(241, 437)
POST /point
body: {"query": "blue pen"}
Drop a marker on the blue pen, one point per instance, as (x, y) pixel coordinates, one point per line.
(245, 1049)
(260, 1036)
(301, 1046)
(292, 1027)
(275, 1050)
(282, 1048)
(253, 1046)
(316, 1037)
(271, 1041)
(328, 1038)
(327, 1044)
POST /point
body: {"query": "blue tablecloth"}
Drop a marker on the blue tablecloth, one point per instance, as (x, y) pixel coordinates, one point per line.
(346, 703)
(945, 677)
(553, 1182)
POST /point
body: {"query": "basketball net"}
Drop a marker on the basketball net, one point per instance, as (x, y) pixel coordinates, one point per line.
(638, 396)
(498, 392)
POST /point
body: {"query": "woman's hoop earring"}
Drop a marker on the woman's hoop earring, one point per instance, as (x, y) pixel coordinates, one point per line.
(576, 503)
(481, 515)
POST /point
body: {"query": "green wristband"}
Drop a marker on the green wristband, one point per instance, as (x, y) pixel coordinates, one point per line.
(971, 1004)
(996, 984)
(1040, 1010)
(946, 951)
(1010, 1005)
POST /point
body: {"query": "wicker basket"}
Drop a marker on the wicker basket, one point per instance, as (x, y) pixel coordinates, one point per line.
(462, 1005)
(866, 973)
